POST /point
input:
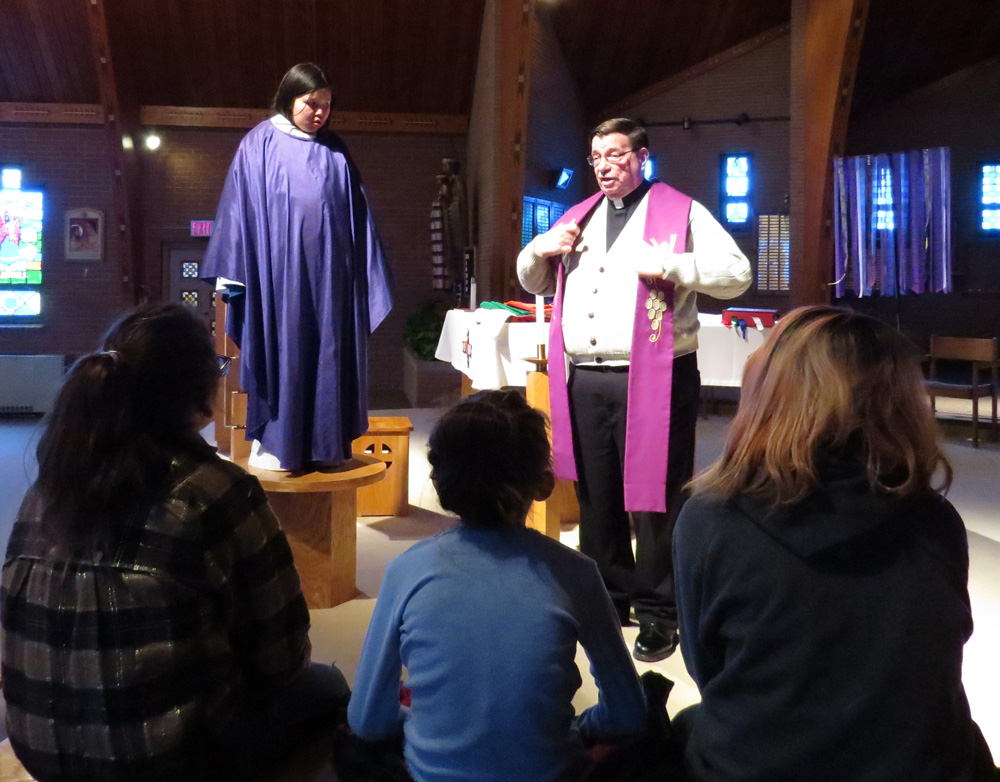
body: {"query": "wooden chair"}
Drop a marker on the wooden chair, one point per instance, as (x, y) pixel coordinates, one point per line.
(982, 354)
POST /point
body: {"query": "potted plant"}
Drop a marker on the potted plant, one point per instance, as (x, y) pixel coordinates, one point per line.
(427, 382)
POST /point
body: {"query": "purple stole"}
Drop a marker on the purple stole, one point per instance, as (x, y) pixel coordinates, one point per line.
(647, 427)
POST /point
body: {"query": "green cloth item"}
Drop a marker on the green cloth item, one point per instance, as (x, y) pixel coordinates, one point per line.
(497, 305)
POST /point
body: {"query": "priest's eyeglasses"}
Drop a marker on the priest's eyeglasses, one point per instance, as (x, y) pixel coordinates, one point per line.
(614, 157)
(224, 362)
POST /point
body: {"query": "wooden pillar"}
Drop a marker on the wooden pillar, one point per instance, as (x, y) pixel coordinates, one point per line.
(826, 42)
(121, 122)
(513, 29)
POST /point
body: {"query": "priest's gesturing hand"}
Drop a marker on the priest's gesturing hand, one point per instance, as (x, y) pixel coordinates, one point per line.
(557, 241)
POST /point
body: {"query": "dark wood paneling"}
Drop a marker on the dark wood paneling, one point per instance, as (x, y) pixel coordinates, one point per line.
(615, 50)
(912, 43)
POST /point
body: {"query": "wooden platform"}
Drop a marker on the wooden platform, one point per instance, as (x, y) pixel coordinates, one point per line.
(318, 512)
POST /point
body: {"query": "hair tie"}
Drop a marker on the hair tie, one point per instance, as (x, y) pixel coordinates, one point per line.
(114, 354)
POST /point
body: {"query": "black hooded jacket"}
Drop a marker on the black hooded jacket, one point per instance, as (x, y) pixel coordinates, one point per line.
(826, 637)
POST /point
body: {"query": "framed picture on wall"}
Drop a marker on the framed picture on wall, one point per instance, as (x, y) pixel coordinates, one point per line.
(84, 235)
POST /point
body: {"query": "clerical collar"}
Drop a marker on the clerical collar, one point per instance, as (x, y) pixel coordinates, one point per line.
(282, 123)
(632, 198)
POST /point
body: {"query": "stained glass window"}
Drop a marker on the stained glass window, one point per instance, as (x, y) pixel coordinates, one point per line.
(882, 198)
(20, 247)
(190, 298)
(189, 269)
(990, 199)
(20, 303)
(537, 217)
(735, 191)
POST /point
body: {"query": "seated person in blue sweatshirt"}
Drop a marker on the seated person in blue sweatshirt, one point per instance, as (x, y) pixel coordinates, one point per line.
(486, 618)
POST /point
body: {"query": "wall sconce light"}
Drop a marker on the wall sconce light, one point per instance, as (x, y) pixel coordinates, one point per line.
(563, 178)
(152, 141)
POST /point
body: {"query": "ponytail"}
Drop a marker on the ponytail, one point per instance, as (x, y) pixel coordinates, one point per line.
(121, 416)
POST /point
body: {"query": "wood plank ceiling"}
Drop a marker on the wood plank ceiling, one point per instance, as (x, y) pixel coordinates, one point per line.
(912, 43)
(419, 56)
(381, 55)
(614, 50)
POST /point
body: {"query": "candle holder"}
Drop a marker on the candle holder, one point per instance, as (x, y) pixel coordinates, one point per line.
(540, 361)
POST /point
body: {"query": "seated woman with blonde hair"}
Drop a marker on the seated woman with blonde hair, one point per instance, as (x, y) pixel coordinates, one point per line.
(822, 576)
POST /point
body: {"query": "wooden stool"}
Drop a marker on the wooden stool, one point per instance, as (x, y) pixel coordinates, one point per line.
(318, 512)
(387, 439)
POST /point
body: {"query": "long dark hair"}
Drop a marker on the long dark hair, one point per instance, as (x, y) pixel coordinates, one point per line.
(829, 380)
(121, 417)
(300, 79)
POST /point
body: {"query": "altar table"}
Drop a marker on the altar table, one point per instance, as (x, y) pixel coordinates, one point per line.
(493, 352)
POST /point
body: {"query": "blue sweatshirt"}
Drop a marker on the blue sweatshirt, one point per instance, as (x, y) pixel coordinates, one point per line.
(486, 623)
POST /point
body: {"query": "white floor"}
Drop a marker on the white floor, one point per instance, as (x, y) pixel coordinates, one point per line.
(338, 632)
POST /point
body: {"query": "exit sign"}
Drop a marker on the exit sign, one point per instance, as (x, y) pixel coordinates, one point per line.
(201, 228)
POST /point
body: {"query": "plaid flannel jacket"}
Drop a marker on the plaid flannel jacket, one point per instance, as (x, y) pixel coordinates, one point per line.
(117, 664)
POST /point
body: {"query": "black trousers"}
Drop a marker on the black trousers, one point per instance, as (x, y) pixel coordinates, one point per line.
(598, 403)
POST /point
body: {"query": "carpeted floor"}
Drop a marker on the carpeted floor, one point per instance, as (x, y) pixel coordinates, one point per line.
(339, 632)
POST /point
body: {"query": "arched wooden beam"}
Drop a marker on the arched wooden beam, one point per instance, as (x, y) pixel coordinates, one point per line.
(826, 42)
(121, 122)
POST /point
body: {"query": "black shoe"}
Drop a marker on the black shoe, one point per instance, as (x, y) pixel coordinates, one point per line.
(656, 641)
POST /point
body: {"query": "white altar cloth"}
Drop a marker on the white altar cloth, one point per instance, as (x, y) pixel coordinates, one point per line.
(492, 352)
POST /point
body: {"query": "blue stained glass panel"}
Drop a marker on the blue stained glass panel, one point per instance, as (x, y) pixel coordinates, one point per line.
(738, 212)
(20, 303)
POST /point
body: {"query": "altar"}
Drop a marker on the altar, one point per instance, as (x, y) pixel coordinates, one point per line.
(493, 352)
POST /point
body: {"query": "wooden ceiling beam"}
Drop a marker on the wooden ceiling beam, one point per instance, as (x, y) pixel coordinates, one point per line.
(624, 106)
(220, 117)
(826, 44)
(121, 123)
(340, 122)
(53, 113)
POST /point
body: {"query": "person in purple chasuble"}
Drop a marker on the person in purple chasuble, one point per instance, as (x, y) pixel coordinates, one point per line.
(295, 233)
(625, 267)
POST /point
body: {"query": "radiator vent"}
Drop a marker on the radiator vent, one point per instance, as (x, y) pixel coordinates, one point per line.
(29, 384)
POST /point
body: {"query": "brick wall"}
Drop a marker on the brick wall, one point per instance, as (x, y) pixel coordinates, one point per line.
(758, 84)
(72, 166)
(483, 132)
(557, 128)
(182, 182)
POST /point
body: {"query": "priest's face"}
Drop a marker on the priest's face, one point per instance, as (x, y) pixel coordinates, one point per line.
(311, 111)
(617, 166)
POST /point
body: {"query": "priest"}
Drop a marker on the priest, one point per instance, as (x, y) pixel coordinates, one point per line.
(625, 267)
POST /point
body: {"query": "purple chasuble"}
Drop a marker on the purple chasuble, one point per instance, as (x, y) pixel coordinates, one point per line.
(293, 226)
(647, 427)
